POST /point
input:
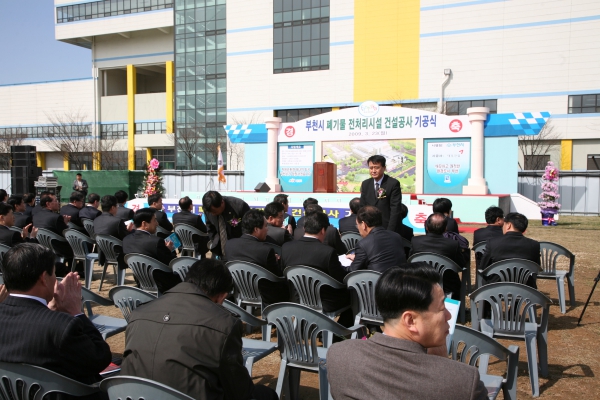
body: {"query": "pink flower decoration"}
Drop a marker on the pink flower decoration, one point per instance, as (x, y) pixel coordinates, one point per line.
(154, 163)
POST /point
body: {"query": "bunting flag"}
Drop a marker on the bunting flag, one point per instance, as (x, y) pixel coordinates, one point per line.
(220, 170)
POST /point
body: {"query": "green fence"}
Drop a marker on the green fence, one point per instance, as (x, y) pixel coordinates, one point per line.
(100, 182)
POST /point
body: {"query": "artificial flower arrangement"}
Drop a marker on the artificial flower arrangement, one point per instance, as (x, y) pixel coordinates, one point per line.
(152, 182)
(549, 196)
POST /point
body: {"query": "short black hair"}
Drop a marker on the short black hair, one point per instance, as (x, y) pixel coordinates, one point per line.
(492, 214)
(93, 197)
(109, 201)
(15, 200)
(442, 205)
(254, 218)
(121, 196)
(28, 197)
(5, 208)
(3, 195)
(308, 201)
(211, 199)
(376, 159)
(76, 196)
(405, 288)
(273, 209)
(143, 215)
(354, 205)
(436, 223)
(153, 198)
(314, 222)
(370, 215)
(23, 265)
(45, 199)
(403, 211)
(185, 203)
(211, 276)
(78, 174)
(281, 198)
(519, 221)
(313, 208)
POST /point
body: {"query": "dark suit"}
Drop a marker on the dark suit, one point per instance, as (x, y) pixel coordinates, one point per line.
(451, 225)
(28, 210)
(348, 224)
(125, 213)
(438, 244)
(89, 212)
(72, 212)
(108, 224)
(36, 209)
(9, 238)
(234, 209)
(163, 222)
(332, 239)
(83, 189)
(489, 232)
(195, 220)
(22, 219)
(248, 248)
(71, 346)
(290, 221)
(279, 235)
(393, 368)
(406, 232)
(389, 205)
(379, 250)
(311, 252)
(54, 222)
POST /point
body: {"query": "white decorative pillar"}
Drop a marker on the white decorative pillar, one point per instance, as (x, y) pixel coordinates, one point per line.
(477, 117)
(273, 124)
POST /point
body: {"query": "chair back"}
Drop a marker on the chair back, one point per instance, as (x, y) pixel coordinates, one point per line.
(88, 297)
(350, 239)
(363, 282)
(308, 281)
(514, 270)
(29, 382)
(134, 388)
(245, 278)
(479, 250)
(128, 298)
(16, 229)
(510, 304)
(181, 265)
(186, 234)
(244, 315)
(142, 267)
(437, 261)
(297, 329)
(80, 243)
(88, 224)
(162, 231)
(110, 246)
(46, 237)
(549, 254)
(274, 246)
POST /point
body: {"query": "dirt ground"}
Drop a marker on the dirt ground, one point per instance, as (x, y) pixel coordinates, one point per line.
(574, 359)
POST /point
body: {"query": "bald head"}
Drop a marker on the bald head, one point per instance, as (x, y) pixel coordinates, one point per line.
(436, 223)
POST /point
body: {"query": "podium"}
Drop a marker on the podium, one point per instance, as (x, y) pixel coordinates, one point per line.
(324, 177)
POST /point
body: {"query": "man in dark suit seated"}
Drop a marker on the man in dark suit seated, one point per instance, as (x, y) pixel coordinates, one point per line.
(444, 206)
(90, 211)
(126, 214)
(379, 249)
(36, 208)
(409, 360)
(274, 215)
(250, 247)
(310, 251)
(307, 202)
(144, 241)
(494, 217)
(11, 238)
(29, 200)
(512, 245)
(3, 196)
(186, 216)
(288, 219)
(42, 323)
(332, 235)
(21, 218)
(223, 220)
(434, 242)
(348, 224)
(109, 224)
(73, 208)
(155, 201)
(405, 231)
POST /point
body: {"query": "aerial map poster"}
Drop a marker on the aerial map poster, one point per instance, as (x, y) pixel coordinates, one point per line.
(351, 159)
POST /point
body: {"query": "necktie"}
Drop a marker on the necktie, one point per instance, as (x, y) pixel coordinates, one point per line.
(222, 234)
(376, 188)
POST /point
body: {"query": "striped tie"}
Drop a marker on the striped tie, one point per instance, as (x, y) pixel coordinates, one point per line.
(222, 234)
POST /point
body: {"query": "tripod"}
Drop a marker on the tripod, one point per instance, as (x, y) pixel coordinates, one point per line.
(596, 279)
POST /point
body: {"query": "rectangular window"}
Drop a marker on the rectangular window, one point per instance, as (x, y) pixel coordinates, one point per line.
(107, 8)
(537, 162)
(166, 157)
(584, 104)
(593, 162)
(460, 107)
(299, 114)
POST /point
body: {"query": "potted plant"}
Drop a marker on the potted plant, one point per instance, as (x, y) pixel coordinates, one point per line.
(549, 205)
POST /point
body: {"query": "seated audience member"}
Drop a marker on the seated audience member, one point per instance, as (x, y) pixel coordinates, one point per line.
(109, 224)
(494, 217)
(90, 211)
(379, 249)
(73, 208)
(434, 242)
(310, 251)
(42, 323)
(332, 235)
(396, 364)
(38, 207)
(144, 241)
(3, 196)
(348, 224)
(186, 216)
(512, 245)
(274, 215)
(11, 238)
(444, 206)
(29, 200)
(162, 341)
(289, 222)
(305, 204)
(126, 214)
(21, 218)
(250, 247)
(48, 218)
(155, 201)
(223, 214)
(405, 231)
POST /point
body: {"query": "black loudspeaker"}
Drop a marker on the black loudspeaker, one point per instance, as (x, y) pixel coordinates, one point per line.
(262, 187)
(22, 179)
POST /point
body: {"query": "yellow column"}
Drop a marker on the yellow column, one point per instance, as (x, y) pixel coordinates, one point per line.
(148, 155)
(65, 163)
(397, 105)
(41, 159)
(96, 161)
(335, 108)
(386, 50)
(131, 89)
(566, 155)
(170, 101)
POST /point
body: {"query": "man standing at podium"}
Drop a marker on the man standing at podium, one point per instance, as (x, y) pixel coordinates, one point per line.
(382, 191)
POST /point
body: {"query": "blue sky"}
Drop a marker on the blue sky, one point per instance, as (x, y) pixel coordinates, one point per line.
(28, 50)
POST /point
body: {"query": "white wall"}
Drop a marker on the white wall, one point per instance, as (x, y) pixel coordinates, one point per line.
(150, 107)
(113, 109)
(142, 47)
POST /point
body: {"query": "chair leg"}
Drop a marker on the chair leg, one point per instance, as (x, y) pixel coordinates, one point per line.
(249, 363)
(542, 348)
(102, 277)
(327, 339)
(560, 281)
(571, 283)
(356, 322)
(324, 392)
(248, 326)
(294, 383)
(89, 270)
(266, 332)
(121, 277)
(531, 347)
(281, 379)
